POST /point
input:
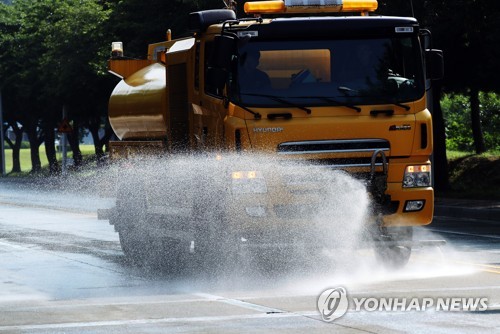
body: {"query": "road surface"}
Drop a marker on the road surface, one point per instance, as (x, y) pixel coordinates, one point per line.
(62, 271)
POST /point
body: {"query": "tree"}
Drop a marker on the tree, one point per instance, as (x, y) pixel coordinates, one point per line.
(469, 33)
(74, 63)
(458, 130)
(138, 23)
(11, 122)
(6, 26)
(15, 146)
(56, 52)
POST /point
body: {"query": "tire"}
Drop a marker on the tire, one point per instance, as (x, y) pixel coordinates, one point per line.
(133, 246)
(216, 246)
(140, 244)
(393, 246)
(273, 262)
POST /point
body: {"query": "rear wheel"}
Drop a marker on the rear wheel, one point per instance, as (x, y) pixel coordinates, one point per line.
(393, 246)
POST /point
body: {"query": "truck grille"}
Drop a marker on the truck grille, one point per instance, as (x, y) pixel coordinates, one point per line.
(333, 146)
(356, 152)
(352, 156)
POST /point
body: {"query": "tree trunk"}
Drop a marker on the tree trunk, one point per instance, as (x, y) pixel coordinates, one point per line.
(50, 151)
(75, 145)
(99, 143)
(475, 116)
(94, 131)
(36, 164)
(440, 165)
(16, 147)
(4, 130)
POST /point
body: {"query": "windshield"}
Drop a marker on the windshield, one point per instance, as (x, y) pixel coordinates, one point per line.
(354, 72)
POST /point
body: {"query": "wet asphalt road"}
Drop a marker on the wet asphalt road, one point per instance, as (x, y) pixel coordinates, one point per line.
(62, 271)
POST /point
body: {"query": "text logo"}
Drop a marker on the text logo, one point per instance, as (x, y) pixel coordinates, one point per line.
(266, 130)
(400, 127)
(398, 304)
(333, 303)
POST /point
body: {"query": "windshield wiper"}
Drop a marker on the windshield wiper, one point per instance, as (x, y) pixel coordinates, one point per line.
(335, 102)
(347, 91)
(256, 115)
(281, 100)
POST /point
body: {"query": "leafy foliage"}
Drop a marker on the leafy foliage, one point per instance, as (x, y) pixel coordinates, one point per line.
(138, 23)
(52, 54)
(458, 129)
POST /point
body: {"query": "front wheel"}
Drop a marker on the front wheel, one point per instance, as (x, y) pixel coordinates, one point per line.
(153, 251)
(216, 248)
(393, 246)
(140, 242)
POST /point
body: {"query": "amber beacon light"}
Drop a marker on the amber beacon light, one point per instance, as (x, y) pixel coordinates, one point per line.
(116, 49)
(309, 6)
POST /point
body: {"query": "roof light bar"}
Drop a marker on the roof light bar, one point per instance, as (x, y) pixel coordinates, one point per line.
(360, 6)
(309, 6)
(265, 7)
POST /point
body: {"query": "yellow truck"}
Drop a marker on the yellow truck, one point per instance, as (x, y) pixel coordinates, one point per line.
(320, 85)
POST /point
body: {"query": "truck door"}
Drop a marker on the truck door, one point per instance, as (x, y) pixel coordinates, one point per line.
(178, 119)
(178, 115)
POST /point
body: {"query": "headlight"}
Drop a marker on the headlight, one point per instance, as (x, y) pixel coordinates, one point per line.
(248, 182)
(417, 176)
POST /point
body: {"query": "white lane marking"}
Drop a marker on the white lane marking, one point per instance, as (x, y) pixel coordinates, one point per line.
(240, 303)
(18, 247)
(114, 303)
(152, 321)
(375, 292)
(464, 233)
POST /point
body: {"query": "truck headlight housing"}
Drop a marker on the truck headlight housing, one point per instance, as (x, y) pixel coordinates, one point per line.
(248, 182)
(417, 176)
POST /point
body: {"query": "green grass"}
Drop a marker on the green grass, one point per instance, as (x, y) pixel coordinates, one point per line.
(25, 157)
(474, 175)
(453, 155)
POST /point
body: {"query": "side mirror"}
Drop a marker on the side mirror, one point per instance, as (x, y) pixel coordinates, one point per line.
(216, 79)
(435, 64)
(219, 64)
(426, 39)
(224, 48)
